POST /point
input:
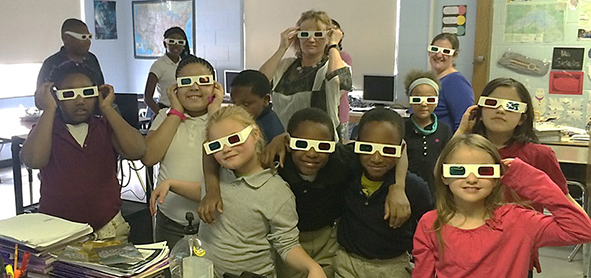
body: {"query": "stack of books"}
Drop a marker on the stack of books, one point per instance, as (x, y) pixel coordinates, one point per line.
(548, 132)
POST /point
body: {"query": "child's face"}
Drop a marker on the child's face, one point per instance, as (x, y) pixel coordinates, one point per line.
(252, 103)
(194, 98)
(240, 157)
(499, 121)
(423, 111)
(174, 49)
(470, 190)
(310, 162)
(74, 45)
(375, 165)
(78, 110)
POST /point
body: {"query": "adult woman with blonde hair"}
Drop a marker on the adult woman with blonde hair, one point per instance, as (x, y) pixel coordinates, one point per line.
(316, 76)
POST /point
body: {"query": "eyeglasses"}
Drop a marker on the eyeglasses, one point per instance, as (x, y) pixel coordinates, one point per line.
(175, 41)
(426, 99)
(190, 80)
(230, 141)
(315, 34)
(385, 150)
(464, 170)
(85, 92)
(443, 50)
(508, 105)
(300, 144)
(82, 37)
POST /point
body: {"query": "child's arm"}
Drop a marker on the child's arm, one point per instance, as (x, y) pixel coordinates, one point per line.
(149, 92)
(128, 142)
(37, 148)
(568, 225)
(298, 259)
(467, 122)
(397, 207)
(158, 141)
(287, 38)
(277, 147)
(212, 201)
(424, 249)
(187, 189)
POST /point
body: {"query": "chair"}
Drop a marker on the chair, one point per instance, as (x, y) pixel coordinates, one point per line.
(579, 193)
(17, 142)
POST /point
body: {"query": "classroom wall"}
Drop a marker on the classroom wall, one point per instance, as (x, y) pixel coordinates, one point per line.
(574, 110)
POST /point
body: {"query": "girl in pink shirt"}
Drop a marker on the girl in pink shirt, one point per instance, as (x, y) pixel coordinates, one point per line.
(473, 232)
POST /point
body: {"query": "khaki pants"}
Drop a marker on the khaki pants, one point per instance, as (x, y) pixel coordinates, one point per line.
(321, 245)
(116, 229)
(349, 265)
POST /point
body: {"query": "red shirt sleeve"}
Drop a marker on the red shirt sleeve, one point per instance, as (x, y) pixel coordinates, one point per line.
(424, 248)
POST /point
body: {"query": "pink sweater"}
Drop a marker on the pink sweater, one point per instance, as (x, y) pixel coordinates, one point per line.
(503, 246)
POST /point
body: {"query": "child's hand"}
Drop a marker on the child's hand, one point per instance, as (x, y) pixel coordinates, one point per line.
(174, 99)
(44, 96)
(106, 97)
(397, 207)
(218, 97)
(287, 37)
(468, 121)
(276, 147)
(211, 203)
(158, 195)
(507, 161)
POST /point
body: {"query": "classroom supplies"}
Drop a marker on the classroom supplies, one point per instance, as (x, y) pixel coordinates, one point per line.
(522, 64)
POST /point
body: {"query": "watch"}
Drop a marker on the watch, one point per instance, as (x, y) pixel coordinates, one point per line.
(172, 111)
(331, 46)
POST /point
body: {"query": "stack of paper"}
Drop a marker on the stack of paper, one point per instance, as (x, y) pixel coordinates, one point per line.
(548, 132)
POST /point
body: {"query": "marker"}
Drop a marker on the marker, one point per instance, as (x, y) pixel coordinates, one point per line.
(9, 271)
(15, 256)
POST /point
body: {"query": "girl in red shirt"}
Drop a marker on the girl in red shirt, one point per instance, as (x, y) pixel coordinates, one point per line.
(473, 232)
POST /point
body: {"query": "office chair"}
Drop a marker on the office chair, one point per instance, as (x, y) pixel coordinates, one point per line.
(580, 196)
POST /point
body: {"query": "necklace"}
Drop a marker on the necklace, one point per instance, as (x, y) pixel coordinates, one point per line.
(302, 69)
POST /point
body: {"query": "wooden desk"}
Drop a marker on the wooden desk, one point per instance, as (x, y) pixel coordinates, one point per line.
(570, 152)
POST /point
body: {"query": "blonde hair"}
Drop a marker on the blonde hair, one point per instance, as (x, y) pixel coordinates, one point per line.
(238, 114)
(319, 17)
(446, 206)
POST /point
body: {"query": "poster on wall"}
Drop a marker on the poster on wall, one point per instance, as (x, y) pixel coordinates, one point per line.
(105, 20)
(454, 20)
(566, 82)
(535, 21)
(568, 58)
(152, 18)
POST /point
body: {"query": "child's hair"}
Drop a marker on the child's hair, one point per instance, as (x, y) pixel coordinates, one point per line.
(309, 114)
(523, 133)
(59, 73)
(256, 80)
(380, 114)
(452, 38)
(446, 206)
(71, 23)
(238, 114)
(319, 17)
(178, 30)
(417, 74)
(190, 59)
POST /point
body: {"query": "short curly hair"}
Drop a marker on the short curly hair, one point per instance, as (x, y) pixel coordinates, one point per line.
(416, 74)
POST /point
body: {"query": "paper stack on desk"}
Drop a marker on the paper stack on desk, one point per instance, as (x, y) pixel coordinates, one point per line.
(548, 132)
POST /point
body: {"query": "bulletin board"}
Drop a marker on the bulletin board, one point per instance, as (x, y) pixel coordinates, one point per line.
(546, 45)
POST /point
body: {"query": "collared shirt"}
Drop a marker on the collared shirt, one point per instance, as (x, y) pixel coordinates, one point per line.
(165, 69)
(80, 182)
(60, 57)
(182, 161)
(259, 216)
(269, 123)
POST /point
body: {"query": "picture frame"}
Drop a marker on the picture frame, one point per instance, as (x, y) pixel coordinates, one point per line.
(152, 18)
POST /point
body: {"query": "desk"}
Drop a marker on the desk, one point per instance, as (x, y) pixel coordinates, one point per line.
(570, 152)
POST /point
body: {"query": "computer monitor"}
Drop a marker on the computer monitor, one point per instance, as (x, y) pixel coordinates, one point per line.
(229, 76)
(381, 89)
(127, 104)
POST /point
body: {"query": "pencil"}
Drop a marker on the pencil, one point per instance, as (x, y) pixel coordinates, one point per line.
(15, 255)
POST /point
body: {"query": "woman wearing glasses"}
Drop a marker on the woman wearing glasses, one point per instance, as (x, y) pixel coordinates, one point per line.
(456, 93)
(162, 72)
(316, 76)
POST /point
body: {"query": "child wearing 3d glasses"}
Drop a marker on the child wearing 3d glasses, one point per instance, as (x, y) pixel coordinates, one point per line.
(76, 150)
(473, 232)
(370, 247)
(175, 140)
(425, 135)
(505, 116)
(259, 218)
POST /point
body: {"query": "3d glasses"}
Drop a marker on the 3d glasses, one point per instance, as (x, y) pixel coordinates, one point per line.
(385, 150)
(190, 80)
(300, 144)
(442, 50)
(230, 141)
(85, 92)
(82, 37)
(464, 170)
(175, 41)
(508, 105)
(315, 34)
(421, 99)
